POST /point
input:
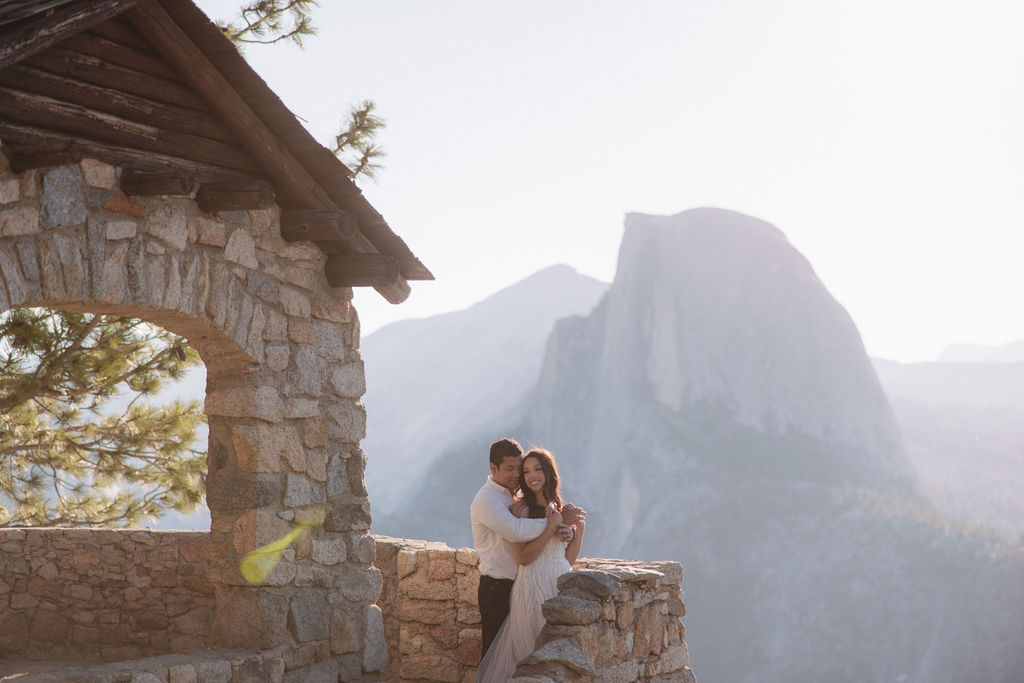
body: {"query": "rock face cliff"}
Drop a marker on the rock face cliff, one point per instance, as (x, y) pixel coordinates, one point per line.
(715, 322)
(717, 408)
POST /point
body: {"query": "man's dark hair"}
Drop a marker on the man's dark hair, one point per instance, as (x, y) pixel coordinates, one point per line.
(505, 448)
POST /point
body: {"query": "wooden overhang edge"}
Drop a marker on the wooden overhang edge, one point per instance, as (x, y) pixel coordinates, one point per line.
(287, 173)
(327, 170)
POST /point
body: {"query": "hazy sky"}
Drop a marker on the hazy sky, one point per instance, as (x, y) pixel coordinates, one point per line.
(885, 139)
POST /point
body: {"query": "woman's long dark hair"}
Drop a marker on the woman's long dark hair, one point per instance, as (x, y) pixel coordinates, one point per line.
(552, 488)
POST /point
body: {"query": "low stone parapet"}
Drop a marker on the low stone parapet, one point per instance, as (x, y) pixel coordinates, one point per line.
(431, 620)
(211, 666)
(612, 620)
(111, 594)
(103, 594)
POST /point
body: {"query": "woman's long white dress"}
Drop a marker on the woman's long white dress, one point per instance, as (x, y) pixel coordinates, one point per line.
(535, 583)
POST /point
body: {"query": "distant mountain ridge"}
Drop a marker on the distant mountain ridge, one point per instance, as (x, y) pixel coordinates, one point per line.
(442, 376)
(963, 426)
(717, 407)
(978, 353)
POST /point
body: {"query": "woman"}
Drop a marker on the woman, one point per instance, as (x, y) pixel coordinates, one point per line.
(541, 562)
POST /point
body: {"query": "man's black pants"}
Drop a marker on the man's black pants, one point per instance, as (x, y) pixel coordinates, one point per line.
(492, 596)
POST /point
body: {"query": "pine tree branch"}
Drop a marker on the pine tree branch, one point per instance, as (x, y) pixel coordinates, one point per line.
(37, 383)
(265, 16)
(55, 465)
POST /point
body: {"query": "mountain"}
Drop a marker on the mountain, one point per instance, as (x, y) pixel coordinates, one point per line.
(442, 376)
(963, 426)
(717, 408)
(977, 353)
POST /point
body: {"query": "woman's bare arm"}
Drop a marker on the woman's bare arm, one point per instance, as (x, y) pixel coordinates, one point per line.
(530, 551)
(572, 551)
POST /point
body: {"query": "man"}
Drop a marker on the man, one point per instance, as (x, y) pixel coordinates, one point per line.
(495, 529)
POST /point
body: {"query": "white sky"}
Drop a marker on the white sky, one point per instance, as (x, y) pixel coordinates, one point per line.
(885, 138)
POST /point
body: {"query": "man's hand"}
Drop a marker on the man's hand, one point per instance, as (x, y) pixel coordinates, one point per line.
(566, 533)
(572, 514)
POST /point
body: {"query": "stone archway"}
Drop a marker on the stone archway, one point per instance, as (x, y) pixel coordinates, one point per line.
(284, 378)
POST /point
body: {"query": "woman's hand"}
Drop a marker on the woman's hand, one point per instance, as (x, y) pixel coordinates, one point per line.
(554, 517)
(572, 514)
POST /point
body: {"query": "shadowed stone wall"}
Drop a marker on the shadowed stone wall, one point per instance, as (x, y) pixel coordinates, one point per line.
(284, 379)
(429, 603)
(613, 620)
(103, 594)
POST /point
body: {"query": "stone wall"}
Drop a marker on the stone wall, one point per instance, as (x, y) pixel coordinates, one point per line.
(284, 381)
(102, 594)
(429, 605)
(110, 595)
(613, 620)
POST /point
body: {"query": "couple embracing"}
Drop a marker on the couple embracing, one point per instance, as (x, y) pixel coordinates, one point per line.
(526, 538)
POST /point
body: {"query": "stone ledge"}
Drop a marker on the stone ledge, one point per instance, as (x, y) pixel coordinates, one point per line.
(210, 666)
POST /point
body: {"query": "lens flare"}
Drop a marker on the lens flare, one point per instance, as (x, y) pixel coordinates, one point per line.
(257, 565)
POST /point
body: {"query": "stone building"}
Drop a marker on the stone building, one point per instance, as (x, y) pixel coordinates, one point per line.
(147, 171)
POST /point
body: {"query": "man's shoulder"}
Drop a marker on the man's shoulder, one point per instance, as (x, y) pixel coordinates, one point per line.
(484, 491)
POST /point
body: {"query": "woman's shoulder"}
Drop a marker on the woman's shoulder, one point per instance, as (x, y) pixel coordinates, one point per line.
(519, 508)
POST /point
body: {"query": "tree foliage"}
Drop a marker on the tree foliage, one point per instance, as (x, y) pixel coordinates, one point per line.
(355, 145)
(270, 21)
(80, 441)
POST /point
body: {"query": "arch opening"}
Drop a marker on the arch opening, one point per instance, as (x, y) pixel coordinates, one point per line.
(101, 420)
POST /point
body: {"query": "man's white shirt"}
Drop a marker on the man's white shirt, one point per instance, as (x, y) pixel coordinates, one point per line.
(495, 528)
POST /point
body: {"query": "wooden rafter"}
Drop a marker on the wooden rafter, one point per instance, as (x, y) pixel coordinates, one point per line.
(176, 47)
(20, 135)
(360, 270)
(28, 108)
(299, 188)
(40, 31)
(41, 155)
(317, 225)
(93, 70)
(115, 102)
(226, 196)
(135, 182)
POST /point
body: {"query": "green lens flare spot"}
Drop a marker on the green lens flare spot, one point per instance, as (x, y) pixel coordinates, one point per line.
(257, 565)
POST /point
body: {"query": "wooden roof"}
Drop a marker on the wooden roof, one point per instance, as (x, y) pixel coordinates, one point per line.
(155, 87)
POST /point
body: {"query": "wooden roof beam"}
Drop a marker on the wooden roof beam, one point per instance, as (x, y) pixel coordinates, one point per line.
(287, 173)
(25, 157)
(360, 270)
(175, 46)
(23, 38)
(21, 135)
(317, 225)
(139, 183)
(235, 196)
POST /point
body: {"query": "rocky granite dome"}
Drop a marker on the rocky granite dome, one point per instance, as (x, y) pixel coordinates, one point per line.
(717, 408)
(713, 315)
